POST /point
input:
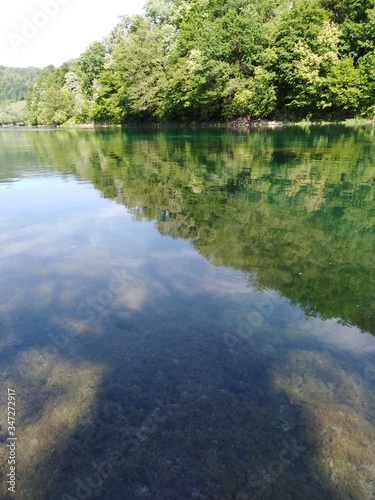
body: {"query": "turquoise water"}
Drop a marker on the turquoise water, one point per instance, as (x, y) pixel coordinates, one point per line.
(188, 314)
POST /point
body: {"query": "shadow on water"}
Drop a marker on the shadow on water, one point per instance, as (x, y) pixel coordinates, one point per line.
(146, 385)
(166, 405)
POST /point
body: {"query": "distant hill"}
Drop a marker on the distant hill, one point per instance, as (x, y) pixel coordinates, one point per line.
(14, 82)
(11, 113)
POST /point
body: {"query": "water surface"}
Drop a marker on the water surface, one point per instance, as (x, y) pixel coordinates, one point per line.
(189, 314)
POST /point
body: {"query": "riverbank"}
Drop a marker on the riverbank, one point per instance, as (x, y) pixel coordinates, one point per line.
(237, 124)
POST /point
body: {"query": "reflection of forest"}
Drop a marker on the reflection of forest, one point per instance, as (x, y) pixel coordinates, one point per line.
(294, 208)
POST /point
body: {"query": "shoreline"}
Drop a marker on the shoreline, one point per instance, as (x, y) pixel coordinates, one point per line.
(237, 124)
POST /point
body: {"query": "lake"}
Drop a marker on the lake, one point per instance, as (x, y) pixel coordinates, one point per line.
(188, 313)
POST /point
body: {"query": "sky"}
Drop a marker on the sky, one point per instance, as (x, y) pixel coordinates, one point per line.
(42, 32)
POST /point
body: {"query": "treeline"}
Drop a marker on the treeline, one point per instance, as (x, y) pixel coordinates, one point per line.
(14, 82)
(213, 60)
(14, 85)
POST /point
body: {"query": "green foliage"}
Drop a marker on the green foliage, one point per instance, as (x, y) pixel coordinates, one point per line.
(12, 113)
(255, 97)
(14, 82)
(345, 87)
(139, 63)
(48, 103)
(306, 46)
(202, 60)
(196, 87)
(90, 65)
(367, 69)
(57, 106)
(107, 107)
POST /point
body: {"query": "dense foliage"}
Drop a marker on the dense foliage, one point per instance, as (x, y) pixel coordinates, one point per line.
(14, 85)
(204, 60)
(14, 82)
(11, 113)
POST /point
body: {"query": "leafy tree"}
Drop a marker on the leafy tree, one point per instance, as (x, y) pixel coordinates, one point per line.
(195, 88)
(35, 95)
(252, 97)
(356, 18)
(73, 86)
(366, 66)
(57, 106)
(345, 88)
(139, 62)
(90, 65)
(12, 113)
(48, 103)
(219, 51)
(108, 107)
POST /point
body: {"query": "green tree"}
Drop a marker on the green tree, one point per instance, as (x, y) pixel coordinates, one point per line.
(345, 88)
(57, 106)
(90, 65)
(108, 106)
(219, 57)
(252, 97)
(12, 113)
(47, 102)
(307, 48)
(139, 62)
(36, 93)
(366, 66)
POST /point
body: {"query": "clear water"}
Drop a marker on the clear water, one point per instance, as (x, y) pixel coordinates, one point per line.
(188, 314)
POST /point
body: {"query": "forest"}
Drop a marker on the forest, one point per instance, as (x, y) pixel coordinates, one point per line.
(216, 61)
(14, 85)
(15, 82)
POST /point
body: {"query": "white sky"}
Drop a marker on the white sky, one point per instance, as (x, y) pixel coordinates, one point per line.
(42, 32)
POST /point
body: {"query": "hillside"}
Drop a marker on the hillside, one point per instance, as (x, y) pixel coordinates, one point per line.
(14, 82)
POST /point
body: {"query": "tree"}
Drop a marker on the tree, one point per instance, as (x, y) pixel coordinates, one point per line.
(47, 102)
(57, 106)
(73, 86)
(12, 113)
(366, 66)
(307, 47)
(90, 65)
(345, 88)
(252, 97)
(139, 62)
(108, 106)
